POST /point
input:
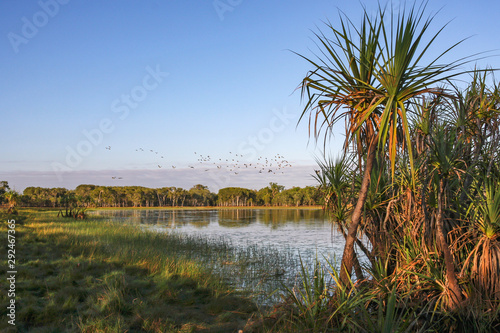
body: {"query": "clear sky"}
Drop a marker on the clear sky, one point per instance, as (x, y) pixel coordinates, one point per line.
(86, 85)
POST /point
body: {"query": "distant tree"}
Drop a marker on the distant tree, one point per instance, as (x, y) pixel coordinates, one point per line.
(4, 187)
(150, 197)
(311, 195)
(173, 195)
(55, 195)
(181, 195)
(88, 195)
(162, 195)
(270, 196)
(200, 195)
(13, 200)
(121, 196)
(109, 197)
(137, 196)
(38, 196)
(297, 195)
(83, 193)
(236, 196)
(264, 196)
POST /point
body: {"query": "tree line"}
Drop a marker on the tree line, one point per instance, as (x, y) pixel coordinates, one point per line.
(88, 196)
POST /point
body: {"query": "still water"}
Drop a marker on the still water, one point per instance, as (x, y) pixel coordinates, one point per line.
(307, 232)
(267, 244)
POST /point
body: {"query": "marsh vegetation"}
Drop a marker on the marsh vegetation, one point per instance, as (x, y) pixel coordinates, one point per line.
(94, 275)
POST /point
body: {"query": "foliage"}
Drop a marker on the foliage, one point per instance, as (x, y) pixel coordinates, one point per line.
(420, 195)
(12, 201)
(4, 187)
(86, 196)
(236, 196)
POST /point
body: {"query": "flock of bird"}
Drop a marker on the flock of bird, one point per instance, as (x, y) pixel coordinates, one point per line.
(234, 163)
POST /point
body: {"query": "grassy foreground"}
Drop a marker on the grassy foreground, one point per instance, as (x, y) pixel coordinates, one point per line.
(95, 276)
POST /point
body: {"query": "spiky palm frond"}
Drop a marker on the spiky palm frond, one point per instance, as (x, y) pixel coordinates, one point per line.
(445, 157)
(484, 259)
(335, 179)
(368, 77)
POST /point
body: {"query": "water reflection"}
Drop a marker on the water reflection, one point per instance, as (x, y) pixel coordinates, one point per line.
(266, 242)
(232, 218)
(306, 231)
(237, 218)
(277, 218)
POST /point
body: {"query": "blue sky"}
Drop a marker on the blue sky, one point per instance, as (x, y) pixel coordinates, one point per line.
(87, 84)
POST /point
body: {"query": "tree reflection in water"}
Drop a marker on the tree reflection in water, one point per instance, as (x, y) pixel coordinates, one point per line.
(257, 249)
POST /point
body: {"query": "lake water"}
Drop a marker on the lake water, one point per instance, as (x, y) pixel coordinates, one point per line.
(305, 231)
(284, 234)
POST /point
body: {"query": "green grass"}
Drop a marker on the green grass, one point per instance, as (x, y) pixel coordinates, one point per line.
(98, 276)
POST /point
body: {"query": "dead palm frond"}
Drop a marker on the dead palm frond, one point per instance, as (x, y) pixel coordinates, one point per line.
(484, 259)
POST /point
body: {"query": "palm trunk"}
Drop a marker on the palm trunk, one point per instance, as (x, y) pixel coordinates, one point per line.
(452, 283)
(356, 264)
(349, 255)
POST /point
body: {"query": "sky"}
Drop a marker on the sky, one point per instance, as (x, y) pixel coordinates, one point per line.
(161, 93)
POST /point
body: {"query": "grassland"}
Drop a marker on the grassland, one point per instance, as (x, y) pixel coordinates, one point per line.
(96, 276)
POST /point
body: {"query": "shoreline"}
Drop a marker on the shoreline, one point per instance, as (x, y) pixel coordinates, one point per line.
(204, 208)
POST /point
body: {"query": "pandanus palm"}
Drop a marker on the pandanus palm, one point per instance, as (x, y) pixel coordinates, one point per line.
(335, 182)
(13, 200)
(483, 261)
(368, 76)
(475, 113)
(446, 162)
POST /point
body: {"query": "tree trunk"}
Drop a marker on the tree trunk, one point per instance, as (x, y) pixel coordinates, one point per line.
(357, 265)
(348, 255)
(451, 279)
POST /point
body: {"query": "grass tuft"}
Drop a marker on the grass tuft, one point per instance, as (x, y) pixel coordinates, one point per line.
(98, 276)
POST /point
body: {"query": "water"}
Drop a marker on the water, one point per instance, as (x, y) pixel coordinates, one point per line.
(305, 231)
(267, 243)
